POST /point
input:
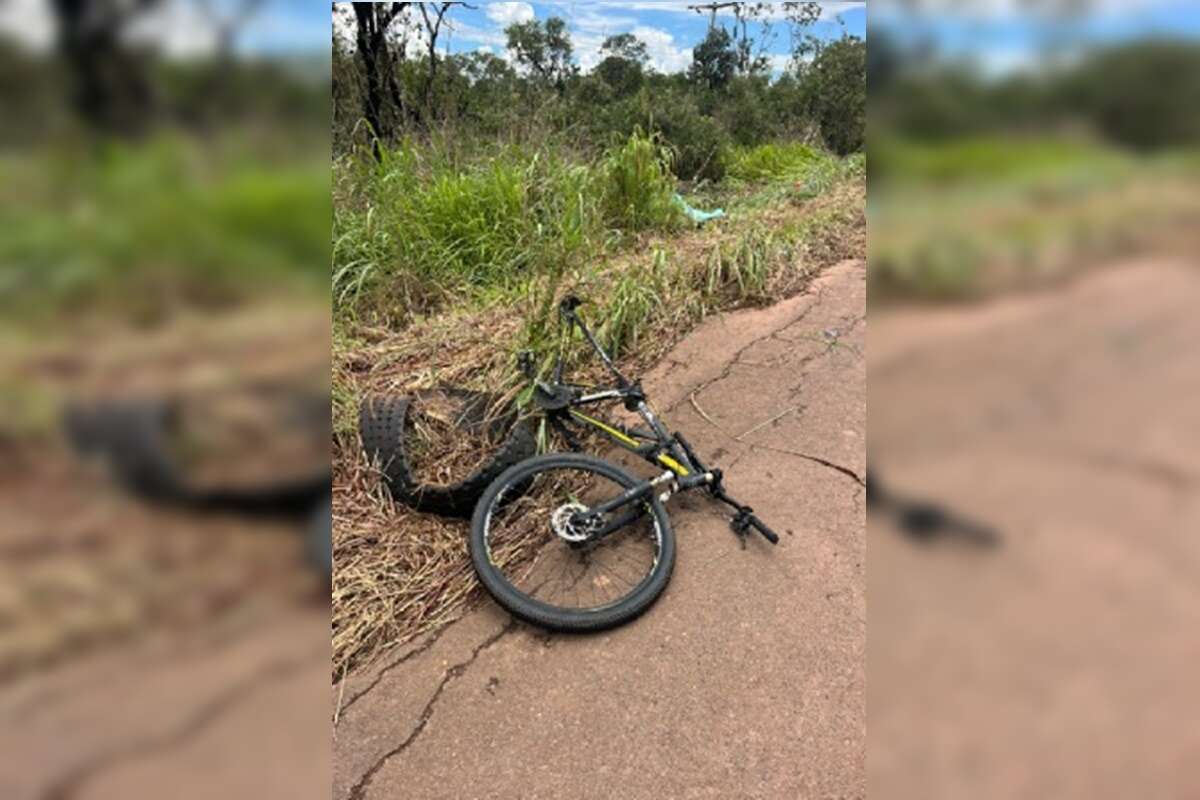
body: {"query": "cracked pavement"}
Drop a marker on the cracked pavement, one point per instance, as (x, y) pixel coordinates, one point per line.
(746, 679)
(1062, 663)
(228, 715)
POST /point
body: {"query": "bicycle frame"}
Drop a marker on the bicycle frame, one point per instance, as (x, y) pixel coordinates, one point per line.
(658, 446)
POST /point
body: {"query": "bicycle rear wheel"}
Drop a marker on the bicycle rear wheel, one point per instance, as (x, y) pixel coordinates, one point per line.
(523, 545)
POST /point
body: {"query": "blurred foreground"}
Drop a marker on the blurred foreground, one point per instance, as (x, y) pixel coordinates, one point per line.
(164, 246)
(1032, 372)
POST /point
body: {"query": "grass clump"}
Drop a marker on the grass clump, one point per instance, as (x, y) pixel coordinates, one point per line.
(638, 185)
(968, 218)
(772, 160)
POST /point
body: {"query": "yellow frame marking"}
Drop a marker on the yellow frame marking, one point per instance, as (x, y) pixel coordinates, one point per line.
(665, 460)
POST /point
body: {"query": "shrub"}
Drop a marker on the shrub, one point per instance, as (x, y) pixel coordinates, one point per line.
(637, 184)
(698, 142)
(745, 112)
(835, 88)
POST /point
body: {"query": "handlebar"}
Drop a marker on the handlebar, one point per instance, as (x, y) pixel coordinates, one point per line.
(759, 526)
(745, 519)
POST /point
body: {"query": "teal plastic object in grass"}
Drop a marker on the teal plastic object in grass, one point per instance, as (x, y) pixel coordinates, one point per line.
(696, 215)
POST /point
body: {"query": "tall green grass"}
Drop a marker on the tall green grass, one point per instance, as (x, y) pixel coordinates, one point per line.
(133, 228)
(423, 225)
(772, 160)
(638, 187)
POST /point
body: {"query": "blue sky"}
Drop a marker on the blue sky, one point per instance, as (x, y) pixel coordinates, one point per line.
(668, 28)
(1003, 36)
(288, 26)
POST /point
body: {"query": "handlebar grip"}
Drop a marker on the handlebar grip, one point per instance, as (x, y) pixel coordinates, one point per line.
(767, 533)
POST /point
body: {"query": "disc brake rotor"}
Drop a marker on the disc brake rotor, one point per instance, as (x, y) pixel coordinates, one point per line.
(567, 524)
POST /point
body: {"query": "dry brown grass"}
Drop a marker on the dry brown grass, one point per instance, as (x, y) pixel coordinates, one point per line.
(398, 573)
(443, 445)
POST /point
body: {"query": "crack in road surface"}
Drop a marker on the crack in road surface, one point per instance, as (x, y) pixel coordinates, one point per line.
(70, 784)
(727, 372)
(359, 790)
(429, 642)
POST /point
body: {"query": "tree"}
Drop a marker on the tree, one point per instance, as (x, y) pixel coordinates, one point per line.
(372, 22)
(433, 15)
(835, 88)
(110, 88)
(227, 21)
(1144, 95)
(753, 60)
(625, 46)
(624, 63)
(714, 61)
(800, 17)
(544, 49)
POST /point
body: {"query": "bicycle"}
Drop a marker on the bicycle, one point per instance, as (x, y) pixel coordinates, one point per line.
(589, 546)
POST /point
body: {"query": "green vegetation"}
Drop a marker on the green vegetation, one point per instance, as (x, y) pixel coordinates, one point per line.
(490, 241)
(982, 184)
(425, 224)
(966, 218)
(637, 186)
(727, 96)
(418, 228)
(139, 229)
(771, 161)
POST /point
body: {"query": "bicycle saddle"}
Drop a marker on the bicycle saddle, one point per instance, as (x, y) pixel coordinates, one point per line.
(553, 397)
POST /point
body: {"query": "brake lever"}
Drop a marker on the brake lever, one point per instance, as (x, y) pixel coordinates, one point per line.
(741, 526)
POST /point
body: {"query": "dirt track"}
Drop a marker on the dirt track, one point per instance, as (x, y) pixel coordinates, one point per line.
(1063, 663)
(746, 679)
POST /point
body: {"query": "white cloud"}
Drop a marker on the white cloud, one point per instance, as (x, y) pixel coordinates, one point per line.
(28, 22)
(829, 10)
(466, 32)
(665, 54)
(505, 14)
(177, 29)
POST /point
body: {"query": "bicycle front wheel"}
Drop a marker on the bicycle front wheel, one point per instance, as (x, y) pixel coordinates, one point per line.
(534, 558)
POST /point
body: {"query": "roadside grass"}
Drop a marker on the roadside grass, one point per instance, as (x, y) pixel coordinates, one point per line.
(421, 228)
(963, 220)
(647, 278)
(135, 231)
(772, 160)
(995, 158)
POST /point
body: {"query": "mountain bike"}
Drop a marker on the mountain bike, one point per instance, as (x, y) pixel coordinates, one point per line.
(568, 541)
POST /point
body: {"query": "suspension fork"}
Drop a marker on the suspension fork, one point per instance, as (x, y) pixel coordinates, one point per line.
(634, 494)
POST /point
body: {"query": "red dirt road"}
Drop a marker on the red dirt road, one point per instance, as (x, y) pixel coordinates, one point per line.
(1063, 663)
(747, 679)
